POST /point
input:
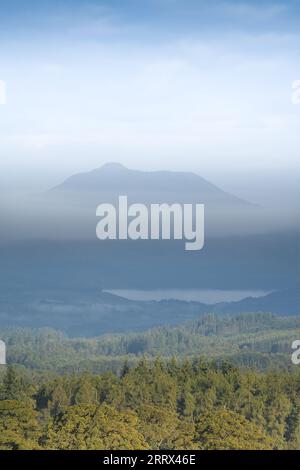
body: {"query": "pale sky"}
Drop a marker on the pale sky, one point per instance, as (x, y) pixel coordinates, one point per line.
(169, 84)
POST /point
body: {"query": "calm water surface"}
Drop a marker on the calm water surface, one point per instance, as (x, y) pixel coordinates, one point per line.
(208, 296)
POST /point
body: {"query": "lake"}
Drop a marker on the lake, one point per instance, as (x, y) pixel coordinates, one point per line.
(207, 296)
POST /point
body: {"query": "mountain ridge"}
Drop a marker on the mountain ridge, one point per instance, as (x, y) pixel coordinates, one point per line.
(92, 313)
(115, 178)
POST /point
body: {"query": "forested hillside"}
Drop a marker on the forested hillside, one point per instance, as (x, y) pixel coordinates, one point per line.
(256, 340)
(167, 388)
(79, 312)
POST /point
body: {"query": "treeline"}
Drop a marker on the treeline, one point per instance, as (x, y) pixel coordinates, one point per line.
(253, 340)
(154, 405)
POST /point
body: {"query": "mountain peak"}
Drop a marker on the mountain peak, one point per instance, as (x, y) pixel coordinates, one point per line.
(112, 167)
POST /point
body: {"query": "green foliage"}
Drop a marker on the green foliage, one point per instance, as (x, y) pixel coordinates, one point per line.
(93, 427)
(19, 427)
(163, 429)
(227, 430)
(161, 404)
(113, 392)
(257, 340)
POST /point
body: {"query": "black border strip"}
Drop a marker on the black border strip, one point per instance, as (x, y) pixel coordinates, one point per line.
(172, 458)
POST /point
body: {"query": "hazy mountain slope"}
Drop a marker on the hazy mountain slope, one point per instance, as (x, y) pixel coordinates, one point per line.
(114, 179)
(283, 302)
(90, 314)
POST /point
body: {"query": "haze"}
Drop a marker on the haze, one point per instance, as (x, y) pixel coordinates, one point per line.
(158, 84)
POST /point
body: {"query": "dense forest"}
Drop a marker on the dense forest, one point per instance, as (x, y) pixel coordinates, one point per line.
(212, 383)
(258, 340)
(192, 404)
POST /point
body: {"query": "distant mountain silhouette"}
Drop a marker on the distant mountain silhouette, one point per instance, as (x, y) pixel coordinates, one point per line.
(283, 302)
(114, 179)
(89, 313)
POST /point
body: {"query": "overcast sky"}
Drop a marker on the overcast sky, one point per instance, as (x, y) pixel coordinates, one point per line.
(153, 84)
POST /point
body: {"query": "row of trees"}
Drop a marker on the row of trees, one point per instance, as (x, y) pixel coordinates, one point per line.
(153, 405)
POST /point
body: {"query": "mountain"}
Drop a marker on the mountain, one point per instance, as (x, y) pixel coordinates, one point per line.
(56, 246)
(283, 302)
(88, 313)
(114, 179)
(74, 201)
